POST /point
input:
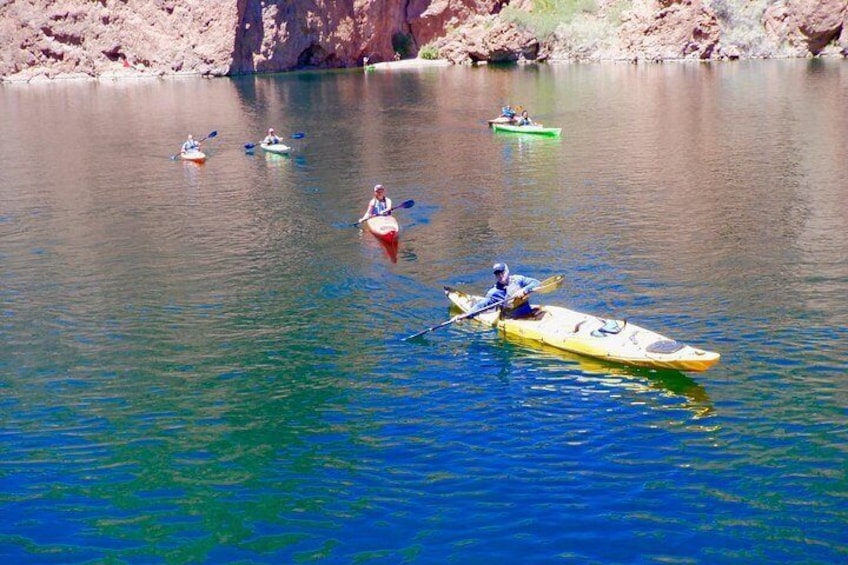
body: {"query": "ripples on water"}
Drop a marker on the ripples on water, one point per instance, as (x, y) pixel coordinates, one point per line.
(205, 363)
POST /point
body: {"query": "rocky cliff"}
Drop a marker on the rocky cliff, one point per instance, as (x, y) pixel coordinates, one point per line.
(87, 38)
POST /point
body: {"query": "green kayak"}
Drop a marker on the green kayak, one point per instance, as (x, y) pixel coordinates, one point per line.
(536, 130)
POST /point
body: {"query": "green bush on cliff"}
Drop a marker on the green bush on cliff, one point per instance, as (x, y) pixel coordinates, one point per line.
(548, 14)
(742, 26)
(429, 52)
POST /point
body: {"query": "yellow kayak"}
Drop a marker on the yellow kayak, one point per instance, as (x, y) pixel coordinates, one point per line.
(617, 341)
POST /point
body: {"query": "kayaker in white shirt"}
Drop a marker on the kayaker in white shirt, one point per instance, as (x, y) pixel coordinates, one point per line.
(380, 205)
(271, 138)
(190, 145)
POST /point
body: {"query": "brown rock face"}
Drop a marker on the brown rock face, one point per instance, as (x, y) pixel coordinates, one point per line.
(488, 39)
(809, 25)
(74, 37)
(671, 29)
(428, 20)
(283, 35)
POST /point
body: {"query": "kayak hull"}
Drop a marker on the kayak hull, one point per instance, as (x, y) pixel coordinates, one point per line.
(616, 341)
(534, 130)
(194, 156)
(502, 120)
(276, 148)
(384, 228)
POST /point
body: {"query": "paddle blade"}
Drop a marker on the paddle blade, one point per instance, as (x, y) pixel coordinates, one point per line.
(407, 204)
(298, 135)
(211, 134)
(419, 334)
(249, 146)
(550, 284)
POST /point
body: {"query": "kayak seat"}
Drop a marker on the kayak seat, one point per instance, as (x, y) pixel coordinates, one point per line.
(665, 346)
(610, 327)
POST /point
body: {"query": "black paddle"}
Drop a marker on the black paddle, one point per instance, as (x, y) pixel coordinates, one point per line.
(407, 204)
(547, 285)
(297, 135)
(210, 136)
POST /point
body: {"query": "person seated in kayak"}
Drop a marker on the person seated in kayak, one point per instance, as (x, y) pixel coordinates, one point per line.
(524, 119)
(190, 145)
(514, 287)
(271, 138)
(507, 112)
(380, 205)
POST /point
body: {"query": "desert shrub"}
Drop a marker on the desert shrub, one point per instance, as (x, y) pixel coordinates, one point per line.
(586, 37)
(742, 27)
(616, 10)
(429, 51)
(547, 15)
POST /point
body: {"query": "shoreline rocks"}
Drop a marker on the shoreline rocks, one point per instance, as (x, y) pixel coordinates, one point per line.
(112, 40)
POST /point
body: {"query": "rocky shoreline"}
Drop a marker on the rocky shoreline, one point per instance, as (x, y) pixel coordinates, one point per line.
(108, 40)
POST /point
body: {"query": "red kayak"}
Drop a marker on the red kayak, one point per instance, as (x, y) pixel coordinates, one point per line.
(384, 228)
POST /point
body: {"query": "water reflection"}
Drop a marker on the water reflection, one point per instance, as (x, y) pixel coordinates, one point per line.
(389, 248)
(638, 385)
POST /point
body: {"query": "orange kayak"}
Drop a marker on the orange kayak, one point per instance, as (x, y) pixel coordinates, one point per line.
(385, 228)
(195, 156)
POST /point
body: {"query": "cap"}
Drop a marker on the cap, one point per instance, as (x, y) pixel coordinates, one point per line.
(499, 268)
(270, 130)
(378, 187)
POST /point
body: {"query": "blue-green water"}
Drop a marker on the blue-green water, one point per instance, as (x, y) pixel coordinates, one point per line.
(204, 363)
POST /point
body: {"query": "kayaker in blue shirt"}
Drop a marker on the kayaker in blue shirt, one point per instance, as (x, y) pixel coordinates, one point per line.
(516, 287)
(271, 138)
(190, 145)
(380, 205)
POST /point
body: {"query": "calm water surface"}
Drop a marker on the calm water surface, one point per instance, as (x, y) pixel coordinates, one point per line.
(204, 363)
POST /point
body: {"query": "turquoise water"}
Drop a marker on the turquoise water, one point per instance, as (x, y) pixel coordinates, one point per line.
(205, 364)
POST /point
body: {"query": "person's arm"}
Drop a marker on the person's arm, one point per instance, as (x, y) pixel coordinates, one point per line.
(526, 284)
(388, 206)
(367, 214)
(493, 296)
